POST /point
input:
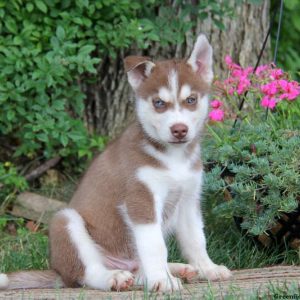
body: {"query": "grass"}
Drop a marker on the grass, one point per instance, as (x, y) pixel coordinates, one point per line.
(29, 250)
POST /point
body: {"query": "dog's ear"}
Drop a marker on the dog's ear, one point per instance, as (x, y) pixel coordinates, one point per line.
(201, 59)
(138, 68)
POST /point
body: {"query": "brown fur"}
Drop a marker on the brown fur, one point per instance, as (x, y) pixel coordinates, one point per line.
(108, 183)
(63, 256)
(34, 279)
(160, 73)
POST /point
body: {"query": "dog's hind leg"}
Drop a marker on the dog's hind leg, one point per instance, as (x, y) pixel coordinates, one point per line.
(77, 258)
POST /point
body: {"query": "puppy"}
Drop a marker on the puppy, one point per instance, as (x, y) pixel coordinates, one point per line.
(145, 186)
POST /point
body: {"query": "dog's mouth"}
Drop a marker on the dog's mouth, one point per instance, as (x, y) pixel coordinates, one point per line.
(178, 142)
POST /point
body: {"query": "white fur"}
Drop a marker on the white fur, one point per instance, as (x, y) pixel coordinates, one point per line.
(201, 59)
(152, 253)
(149, 67)
(96, 275)
(173, 84)
(157, 125)
(185, 91)
(135, 77)
(3, 281)
(186, 220)
(165, 94)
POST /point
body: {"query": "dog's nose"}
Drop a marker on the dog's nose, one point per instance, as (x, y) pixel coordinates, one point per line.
(179, 130)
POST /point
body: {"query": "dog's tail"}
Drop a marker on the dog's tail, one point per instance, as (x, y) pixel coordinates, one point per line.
(30, 280)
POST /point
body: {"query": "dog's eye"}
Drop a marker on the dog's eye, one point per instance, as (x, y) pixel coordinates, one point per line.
(158, 103)
(191, 100)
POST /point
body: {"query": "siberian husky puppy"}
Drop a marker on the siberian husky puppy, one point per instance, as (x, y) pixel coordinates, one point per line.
(143, 187)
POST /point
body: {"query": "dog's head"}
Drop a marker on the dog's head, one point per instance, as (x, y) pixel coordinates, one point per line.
(172, 95)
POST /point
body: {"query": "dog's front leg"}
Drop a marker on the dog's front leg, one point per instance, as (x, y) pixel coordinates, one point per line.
(152, 253)
(190, 234)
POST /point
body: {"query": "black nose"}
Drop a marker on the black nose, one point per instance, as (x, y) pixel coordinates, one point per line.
(179, 130)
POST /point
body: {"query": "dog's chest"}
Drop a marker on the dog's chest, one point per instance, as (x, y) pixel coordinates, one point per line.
(173, 182)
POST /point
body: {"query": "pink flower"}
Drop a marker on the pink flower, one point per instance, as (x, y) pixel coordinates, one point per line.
(216, 115)
(291, 89)
(248, 70)
(231, 91)
(228, 60)
(283, 84)
(276, 74)
(261, 69)
(238, 72)
(268, 102)
(243, 85)
(269, 89)
(216, 103)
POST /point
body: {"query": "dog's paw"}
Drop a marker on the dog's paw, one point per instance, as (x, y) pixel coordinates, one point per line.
(215, 272)
(165, 285)
(120, 280)
(184, 271)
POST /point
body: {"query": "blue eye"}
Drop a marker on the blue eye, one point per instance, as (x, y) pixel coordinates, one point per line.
(191, 100)
(158, 103)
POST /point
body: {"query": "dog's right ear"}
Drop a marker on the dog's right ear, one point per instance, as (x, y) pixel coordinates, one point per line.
(138, 68)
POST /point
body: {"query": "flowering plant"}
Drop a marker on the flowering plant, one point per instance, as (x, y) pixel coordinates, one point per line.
(255, 167)
(266, 83)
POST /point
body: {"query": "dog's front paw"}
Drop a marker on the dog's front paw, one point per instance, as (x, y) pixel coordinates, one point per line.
(214, 272)
(120, 280)
(165, 285)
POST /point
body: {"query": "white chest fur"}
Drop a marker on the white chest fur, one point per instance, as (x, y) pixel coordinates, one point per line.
(174, 182)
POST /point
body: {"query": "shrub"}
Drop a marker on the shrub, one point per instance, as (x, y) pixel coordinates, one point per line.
(259, 167)
(254, 166)
(47, 47)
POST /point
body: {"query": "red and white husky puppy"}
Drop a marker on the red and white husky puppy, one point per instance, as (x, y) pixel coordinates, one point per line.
(143, 187)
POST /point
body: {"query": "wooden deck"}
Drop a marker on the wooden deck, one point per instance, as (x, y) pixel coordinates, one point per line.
(243, 282)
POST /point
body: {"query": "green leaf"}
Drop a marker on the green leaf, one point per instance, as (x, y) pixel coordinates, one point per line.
(296, 21)
(10, 115)
(42, 137)
(41, 6)
(60, 33)
(11, 25)
(17, 40)
(29, 7)
(85, 50)
(64, 140)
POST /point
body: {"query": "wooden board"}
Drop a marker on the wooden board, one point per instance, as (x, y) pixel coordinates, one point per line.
(244, 282)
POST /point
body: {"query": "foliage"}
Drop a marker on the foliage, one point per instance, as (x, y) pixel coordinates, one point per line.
(255, 165)
(288, 49)
(259, 167)
(10, 180)
(47, 47)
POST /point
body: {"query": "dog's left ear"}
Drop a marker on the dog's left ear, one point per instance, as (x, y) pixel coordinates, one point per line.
(201, 59)
(138, 68)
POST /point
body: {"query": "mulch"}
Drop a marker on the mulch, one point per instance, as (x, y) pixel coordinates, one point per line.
(244, 282)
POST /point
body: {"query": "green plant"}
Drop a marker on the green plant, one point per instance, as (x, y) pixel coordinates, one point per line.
(47, 47)
(288, 54)
(259, 167)
(255, 165)
(11, 181)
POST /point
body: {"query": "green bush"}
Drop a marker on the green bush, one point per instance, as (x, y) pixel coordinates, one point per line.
(10, 180)
(47, 47)
(258, 166)
(288, 49)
